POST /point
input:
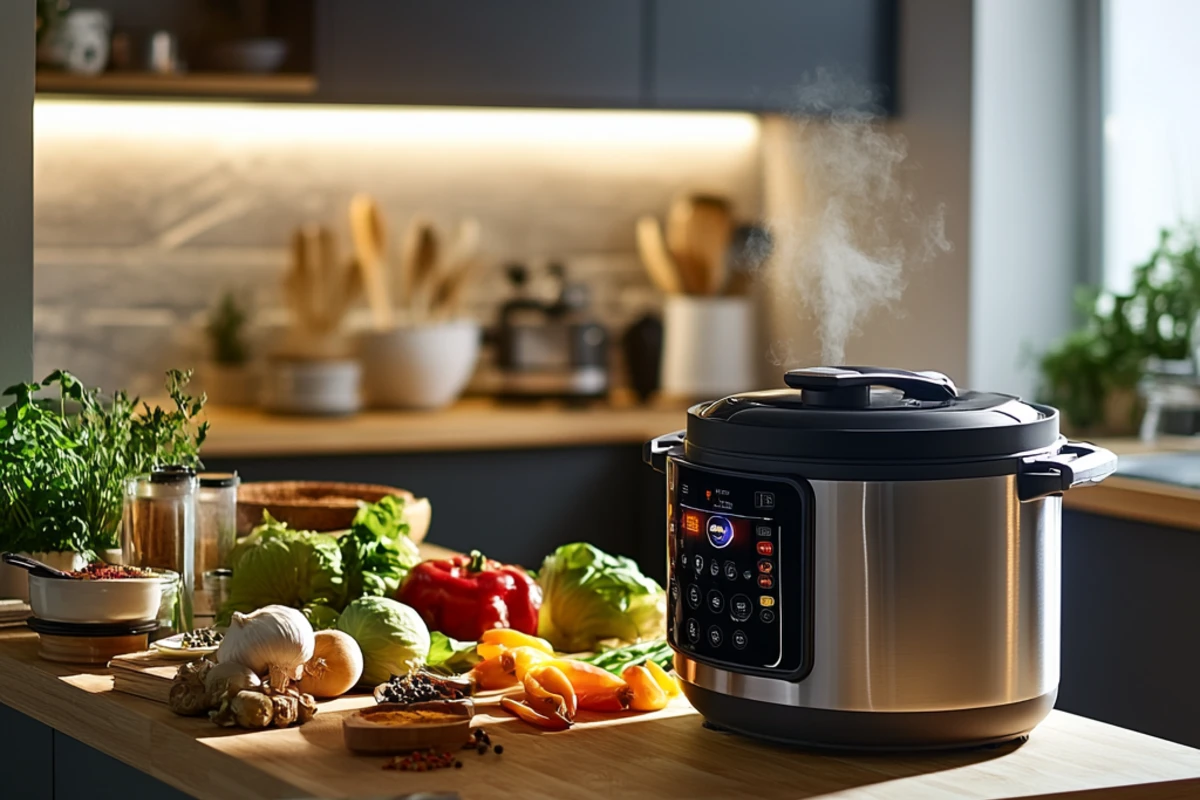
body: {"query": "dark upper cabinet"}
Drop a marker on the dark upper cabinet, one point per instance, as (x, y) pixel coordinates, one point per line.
(481, 52)
(751, 54)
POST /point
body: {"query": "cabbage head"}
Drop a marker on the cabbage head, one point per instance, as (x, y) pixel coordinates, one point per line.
(392, 636)
(589, 595)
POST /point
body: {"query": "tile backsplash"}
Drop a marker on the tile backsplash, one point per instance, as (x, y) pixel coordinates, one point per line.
(146, 212)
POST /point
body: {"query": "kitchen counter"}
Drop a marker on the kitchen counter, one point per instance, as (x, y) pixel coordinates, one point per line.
(1139, 499)
(663, 754)
(468, 425)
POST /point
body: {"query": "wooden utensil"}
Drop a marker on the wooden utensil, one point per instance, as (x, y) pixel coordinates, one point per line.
(663, 270)
(750, 248)
(699, 228)
(370, 250)
(457, 268)
(418, 266)
(318, 288)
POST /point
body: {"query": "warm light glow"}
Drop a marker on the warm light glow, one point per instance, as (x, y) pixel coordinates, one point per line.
(97, 119)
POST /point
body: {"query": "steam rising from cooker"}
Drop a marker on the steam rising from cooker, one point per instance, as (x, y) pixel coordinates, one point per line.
(843, 252)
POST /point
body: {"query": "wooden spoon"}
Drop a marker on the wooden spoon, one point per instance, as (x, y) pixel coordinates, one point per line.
(370, 250)
(657, 259)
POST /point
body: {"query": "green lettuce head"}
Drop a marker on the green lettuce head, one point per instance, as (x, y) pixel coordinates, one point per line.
(392, 636)
(589, 596)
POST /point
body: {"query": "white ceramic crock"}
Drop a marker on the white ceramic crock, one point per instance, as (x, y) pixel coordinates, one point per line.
(14, 581)
(96, 601)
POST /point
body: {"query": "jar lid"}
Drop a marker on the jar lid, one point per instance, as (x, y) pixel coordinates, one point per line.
(871, 415)
(219, 480)
(171, 473)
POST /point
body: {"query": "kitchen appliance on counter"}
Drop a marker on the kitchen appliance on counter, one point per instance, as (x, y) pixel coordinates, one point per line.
(869, 559)
(549, 348)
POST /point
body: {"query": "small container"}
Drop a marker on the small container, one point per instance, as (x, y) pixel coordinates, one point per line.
(708, 347)
(375, 731)
(214, 595)
(98, 601)
(158, 529)
(216, 522)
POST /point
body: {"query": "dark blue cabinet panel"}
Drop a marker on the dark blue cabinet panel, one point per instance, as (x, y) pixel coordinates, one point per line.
(468, 52)
(751, 54)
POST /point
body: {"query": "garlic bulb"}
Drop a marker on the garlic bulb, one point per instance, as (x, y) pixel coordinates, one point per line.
(276, 640)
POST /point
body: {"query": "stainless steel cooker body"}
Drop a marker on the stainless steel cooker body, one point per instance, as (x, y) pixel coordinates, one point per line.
(927, 596)
(854, 568)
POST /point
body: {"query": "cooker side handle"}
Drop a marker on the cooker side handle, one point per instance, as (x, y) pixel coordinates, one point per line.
(655, 451)
(1075, 464)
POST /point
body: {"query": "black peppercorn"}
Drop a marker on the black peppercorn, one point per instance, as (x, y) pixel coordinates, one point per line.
(498, 749)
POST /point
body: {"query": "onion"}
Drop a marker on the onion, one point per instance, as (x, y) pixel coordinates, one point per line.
(335, 667)
(275, 640)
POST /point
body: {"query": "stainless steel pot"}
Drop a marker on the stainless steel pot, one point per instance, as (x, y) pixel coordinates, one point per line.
(869, 567)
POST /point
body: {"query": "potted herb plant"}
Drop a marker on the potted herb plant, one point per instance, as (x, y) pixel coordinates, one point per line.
(63, 462)
(1092, 375)
(228, 378)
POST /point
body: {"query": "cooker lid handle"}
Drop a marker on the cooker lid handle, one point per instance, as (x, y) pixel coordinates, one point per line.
(655, 451)
(1075, 464)
(850, 387)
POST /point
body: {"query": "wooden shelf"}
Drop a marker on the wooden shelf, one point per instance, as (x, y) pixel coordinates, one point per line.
(197, 84)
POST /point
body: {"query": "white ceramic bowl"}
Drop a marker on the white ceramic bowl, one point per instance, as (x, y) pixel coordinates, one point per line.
(112, 600)
(311, 387)
(419, 366)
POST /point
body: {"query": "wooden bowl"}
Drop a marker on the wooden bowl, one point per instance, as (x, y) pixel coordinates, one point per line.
(365, 732)
(322, 506)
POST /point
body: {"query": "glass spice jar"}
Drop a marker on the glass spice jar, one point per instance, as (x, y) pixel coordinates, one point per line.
(158, 529)
(216, 534)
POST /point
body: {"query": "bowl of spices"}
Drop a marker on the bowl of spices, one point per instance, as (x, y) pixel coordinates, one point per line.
(388, 728)
(99, 593)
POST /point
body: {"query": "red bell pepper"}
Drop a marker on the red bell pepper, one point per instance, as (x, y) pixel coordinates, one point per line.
(464, 596)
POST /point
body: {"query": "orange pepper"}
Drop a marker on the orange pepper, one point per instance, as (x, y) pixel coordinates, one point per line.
(647, 694)
(554, 722)
(488, 650)
(668, 682)
(549, 686)
(518, 660)
(510, 638)
(491, 674)
(583, 675)
(605, 698)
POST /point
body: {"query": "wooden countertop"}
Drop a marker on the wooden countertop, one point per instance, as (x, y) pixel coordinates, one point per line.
(469, 425)
(664, 754)
(1142, 500)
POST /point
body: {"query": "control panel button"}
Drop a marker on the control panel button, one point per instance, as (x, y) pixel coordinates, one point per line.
(765, 582)
(763, 531)
(766, 548)
(740, 608)
(693, 630)
(698, 562)
(748, 575)
(764, 499)
(715, 637)
(765, 566)
(767, 615)
(720, 531)
(716, 601)
(731, 571)
(766, 601)
(714, 568)
(739, 639)
(694, 596)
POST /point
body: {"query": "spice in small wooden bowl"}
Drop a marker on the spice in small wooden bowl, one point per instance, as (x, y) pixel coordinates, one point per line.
(398, 728)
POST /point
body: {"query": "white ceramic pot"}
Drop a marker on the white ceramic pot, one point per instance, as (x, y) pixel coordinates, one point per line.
(14, 581)
(419, 366)
(114, 600)
(708, 347)
(311, 387)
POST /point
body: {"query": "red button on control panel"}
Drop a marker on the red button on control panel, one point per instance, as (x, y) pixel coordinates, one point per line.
(766, 548)
(765, 566)
(765, 581)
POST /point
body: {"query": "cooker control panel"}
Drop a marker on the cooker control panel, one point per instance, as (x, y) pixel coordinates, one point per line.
(739, 550)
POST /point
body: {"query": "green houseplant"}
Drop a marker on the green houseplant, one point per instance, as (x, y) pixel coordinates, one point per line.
(1103, 360)
(63, 462)
(228, 378)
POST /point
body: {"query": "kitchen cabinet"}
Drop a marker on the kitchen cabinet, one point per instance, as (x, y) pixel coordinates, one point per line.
(752, 54)
(468, 52)
(1129, 603)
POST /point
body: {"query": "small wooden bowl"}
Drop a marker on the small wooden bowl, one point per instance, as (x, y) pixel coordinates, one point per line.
(316, 505)
(362, 735)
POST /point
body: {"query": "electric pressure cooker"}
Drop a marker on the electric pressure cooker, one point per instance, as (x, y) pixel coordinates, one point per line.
(869, 559)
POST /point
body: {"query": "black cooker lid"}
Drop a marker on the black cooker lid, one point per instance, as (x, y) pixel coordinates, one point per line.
(870, 414)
